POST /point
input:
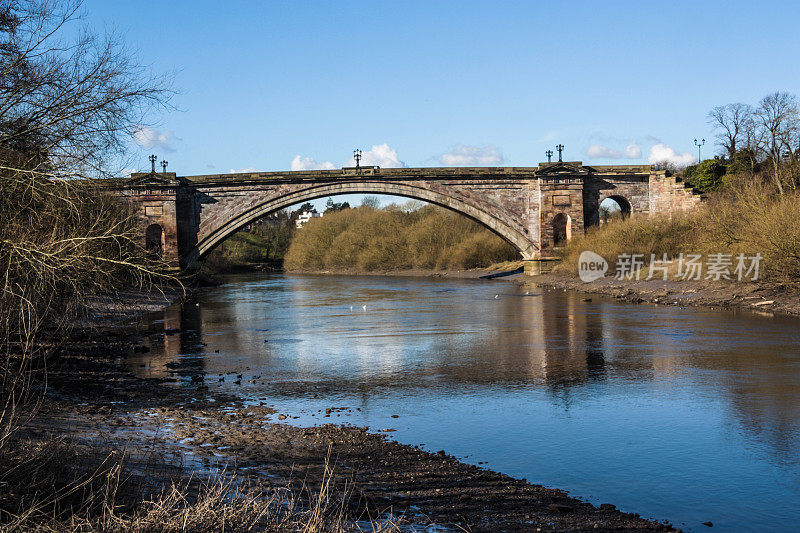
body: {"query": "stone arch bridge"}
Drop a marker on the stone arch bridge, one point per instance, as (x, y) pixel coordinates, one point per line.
(533, 208)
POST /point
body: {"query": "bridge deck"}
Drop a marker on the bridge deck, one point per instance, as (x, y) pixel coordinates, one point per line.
(393, 174)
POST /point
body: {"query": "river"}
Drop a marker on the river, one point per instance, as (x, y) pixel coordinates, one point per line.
(682, 414)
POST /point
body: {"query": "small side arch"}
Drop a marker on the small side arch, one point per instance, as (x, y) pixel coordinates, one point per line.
(616, 203)
(562, 229)
(154, 241)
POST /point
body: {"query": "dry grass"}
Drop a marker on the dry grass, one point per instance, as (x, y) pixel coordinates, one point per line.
(747, 216)
(55, 489)
(367, 239)
(660, 234)
(506, 265)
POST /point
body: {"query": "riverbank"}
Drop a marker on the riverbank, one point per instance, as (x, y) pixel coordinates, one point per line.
(475, 273)
(412, 273)
(746, 296)
(180, 423)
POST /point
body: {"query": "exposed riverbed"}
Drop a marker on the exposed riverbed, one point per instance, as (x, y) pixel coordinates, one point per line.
(679, 414)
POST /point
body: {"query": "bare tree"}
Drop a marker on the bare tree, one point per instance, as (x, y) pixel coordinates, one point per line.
(373, 202)
(67, 108)
(669, 166)
(731, 122)
(777, 124)
(68, 105)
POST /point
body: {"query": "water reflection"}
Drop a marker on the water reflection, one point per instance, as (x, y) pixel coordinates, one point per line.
(682, 414)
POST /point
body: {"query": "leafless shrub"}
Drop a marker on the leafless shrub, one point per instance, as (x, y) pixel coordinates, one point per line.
(104, 497)
(66, 109)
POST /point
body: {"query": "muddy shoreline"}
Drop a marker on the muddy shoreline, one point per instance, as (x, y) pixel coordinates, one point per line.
(94, 400)
(745, 296)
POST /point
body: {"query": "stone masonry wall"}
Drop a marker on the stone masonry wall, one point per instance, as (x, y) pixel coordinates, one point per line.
(669, 196)
(157, 206)
(198, 212)
(562, 195)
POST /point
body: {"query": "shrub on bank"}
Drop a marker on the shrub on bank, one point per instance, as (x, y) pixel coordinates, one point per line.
(368, 239)
(752, 217)
(241, 249)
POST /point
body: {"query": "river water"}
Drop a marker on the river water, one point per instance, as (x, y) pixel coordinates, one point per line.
(680, 414)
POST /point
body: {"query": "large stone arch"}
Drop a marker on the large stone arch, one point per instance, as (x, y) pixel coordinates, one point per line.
(246, 211)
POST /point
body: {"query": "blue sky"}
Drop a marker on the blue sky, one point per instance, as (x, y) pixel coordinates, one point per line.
(440, 82)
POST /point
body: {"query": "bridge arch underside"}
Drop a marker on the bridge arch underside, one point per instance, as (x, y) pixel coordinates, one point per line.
(527, 248)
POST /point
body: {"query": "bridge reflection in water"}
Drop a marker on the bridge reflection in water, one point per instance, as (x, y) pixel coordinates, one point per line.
(557, 347)
(682, 414)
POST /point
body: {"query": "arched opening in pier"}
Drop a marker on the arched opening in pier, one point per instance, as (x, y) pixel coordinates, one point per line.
(614, 207)
(562, 229)
(154, 241)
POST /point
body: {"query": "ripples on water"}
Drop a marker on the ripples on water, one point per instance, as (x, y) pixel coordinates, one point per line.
(685, 415)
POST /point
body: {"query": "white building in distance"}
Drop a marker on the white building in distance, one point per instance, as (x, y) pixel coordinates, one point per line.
(305, 216)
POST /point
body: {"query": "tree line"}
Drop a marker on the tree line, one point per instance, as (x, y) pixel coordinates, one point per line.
(765, 136)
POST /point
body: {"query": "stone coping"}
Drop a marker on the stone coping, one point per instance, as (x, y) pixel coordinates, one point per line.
(377, 173)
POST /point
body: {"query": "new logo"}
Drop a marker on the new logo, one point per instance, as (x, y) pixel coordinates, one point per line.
(591, 266)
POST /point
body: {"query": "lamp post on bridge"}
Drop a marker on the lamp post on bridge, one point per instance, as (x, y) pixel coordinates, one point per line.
(701, 143)
(549, 155)
(560, 148)
(164, 164)
(152, 159)
(357, 157)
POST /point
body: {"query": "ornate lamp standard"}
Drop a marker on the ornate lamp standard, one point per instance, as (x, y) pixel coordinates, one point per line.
(699, 144)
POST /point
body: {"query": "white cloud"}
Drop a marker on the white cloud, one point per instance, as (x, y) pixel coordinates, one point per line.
(380, 155)
(243, 170)
(547, 137)
(661, 152)
(600, 151)
(473, 156)
(309, 163)
(633, 151)
(149, 138)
